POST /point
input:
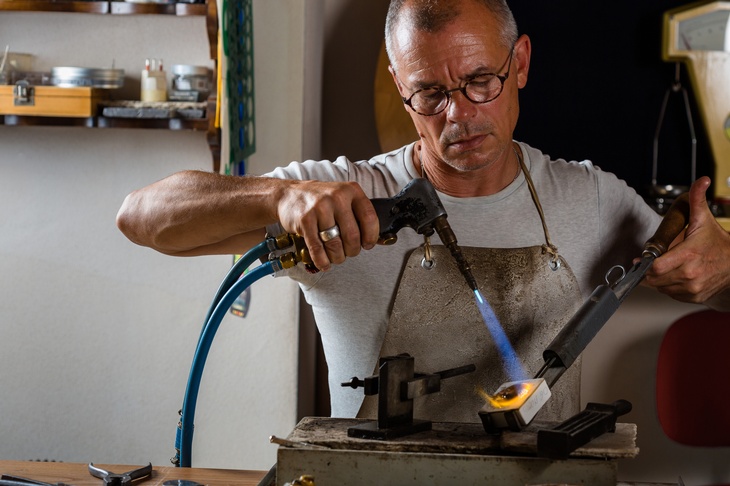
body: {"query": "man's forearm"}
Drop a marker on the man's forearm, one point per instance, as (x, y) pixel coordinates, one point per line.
(194, 212)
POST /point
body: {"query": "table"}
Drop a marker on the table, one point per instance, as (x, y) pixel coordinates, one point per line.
(78, 474)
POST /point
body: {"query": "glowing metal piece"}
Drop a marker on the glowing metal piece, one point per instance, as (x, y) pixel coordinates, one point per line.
(512, 396)
(514, 404)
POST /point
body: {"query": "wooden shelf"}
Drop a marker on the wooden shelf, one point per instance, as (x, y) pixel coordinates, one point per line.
(200, 124)
(130, 8)
(103, 7)
(49, 121)
(54, 6)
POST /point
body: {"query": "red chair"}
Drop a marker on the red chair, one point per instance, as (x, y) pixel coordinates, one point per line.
(693, 380)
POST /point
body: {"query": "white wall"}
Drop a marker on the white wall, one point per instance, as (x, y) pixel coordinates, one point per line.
(98, 334)
(621, 363)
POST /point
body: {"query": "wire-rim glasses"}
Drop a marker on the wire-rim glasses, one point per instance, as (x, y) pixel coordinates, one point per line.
(479, 89)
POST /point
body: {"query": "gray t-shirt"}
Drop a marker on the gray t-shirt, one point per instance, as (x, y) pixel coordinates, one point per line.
(595, 220)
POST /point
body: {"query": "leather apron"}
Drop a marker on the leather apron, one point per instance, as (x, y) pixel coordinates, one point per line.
(533, 293)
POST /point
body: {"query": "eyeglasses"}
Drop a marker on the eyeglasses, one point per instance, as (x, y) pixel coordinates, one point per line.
(480, 89)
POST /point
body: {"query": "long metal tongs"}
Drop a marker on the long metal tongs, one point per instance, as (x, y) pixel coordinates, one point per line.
(605, 299)
(9, 480)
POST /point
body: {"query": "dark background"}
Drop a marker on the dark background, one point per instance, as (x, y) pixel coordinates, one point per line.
(595, 87)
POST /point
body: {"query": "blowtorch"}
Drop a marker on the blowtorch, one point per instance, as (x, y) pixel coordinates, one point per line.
(417, 206)
(515, 404)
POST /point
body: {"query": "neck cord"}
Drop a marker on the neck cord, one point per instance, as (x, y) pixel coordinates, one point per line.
(548, 247)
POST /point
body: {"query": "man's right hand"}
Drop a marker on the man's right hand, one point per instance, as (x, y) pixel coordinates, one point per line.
(309, 207)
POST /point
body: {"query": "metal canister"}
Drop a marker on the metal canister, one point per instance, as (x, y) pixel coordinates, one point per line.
(188, 78)
(74, 77)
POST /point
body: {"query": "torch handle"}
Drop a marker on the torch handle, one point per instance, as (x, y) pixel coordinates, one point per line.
(671, 226)
(417, 206)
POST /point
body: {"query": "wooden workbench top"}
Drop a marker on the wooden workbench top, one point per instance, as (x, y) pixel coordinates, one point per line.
(459, 438)
(78, 474)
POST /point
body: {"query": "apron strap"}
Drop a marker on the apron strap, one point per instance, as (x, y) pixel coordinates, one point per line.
(548, 247)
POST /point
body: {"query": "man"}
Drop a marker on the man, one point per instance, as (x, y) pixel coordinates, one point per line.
(535, 230)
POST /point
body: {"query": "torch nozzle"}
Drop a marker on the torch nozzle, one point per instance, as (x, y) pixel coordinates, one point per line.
(448, 238)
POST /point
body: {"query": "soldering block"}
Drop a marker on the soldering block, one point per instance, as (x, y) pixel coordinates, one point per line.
(514, 405)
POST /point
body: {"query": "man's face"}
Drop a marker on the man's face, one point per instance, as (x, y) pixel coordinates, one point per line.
(466, 136)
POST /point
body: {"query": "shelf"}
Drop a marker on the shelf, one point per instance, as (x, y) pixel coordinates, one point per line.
(103, 7)
(209, 10)
(129, 8)
(199, 124)
(55, 121)
(54, 6)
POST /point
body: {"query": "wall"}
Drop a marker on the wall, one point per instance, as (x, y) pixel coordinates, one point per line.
(97, 333)
(353, 37)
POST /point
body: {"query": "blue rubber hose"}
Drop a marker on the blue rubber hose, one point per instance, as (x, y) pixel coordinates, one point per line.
(236, 271)
(184, 438)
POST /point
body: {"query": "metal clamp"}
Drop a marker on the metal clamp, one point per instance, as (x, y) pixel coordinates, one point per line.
(23, 94)
(397, 385)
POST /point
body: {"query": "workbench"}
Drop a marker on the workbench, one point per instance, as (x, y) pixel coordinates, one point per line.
(449, 453)
(78, 474)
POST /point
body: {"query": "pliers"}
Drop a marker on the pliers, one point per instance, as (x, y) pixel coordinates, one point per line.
(112, 479)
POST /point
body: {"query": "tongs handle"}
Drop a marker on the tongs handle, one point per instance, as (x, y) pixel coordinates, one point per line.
(671, 226)
(605, 299)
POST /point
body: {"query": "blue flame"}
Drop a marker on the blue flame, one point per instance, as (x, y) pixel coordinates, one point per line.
(512, 365)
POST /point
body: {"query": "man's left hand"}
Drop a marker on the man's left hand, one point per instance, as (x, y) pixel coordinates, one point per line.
(697, 268)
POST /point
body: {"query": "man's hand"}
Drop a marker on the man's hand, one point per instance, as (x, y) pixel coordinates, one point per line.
(697, 268)
(308, 207)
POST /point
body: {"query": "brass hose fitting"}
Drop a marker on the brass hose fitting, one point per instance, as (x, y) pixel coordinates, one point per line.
(301, 253)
